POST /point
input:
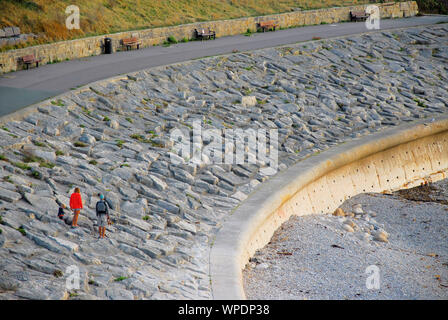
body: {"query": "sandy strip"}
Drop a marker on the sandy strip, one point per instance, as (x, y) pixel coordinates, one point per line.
(326, 256)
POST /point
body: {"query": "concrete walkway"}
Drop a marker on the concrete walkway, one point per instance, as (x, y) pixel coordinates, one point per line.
(38, 84)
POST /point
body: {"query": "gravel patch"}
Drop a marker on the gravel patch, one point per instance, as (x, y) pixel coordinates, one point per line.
(326, 256)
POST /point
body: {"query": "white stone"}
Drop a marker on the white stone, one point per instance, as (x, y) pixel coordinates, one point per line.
(263, 265)
(239, 196)
(113, 124)
(357, 209)
(248, 101)
(347, 228)
(73, 247)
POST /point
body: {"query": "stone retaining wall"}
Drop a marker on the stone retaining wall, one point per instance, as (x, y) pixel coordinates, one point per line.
(85, 47)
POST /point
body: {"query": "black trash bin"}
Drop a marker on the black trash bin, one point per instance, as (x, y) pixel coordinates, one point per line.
(107, 45)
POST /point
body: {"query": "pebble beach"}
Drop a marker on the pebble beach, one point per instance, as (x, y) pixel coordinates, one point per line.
(402, 234)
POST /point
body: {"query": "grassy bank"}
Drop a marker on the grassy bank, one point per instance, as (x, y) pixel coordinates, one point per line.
(47, 17)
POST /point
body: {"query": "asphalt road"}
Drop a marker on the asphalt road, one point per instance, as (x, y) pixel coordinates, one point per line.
(22, 88)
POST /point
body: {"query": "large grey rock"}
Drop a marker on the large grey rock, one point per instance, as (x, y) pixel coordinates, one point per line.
(113, 200)
(126, 174)
(163, 248)
(129, 193)
(87, 138)
(168, 206)
(132, 251)
(73, 247)
(49, 156)
(119, 294)
(42, 204)
(45, 242)
(289, 107)
(113, 124)
(8, 284)
(141, 224)
(133, 209)
(159, 184)
(10, 196)
(71, 131)
(182, 175)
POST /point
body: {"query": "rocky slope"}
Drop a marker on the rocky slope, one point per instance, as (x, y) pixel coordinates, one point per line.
(113, 137)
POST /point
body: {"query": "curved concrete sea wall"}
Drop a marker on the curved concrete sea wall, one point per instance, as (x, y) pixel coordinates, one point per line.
(394, 159)
(85, 47)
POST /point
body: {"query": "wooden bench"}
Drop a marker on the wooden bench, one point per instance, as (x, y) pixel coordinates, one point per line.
(266, 25)
(130, 42)
(358, 15)
(204, 34)
(30, 59)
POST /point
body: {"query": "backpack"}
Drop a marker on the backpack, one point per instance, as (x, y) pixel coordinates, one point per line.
(101, 207)
(61, 213)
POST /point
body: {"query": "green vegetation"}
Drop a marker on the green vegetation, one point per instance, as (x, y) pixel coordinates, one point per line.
(420, 103)
(146, 218)
(3, 157)
(172, 40)
(59, 153)
(248, 32)
(120, 143)
(39, 144)
(247, 92)
(6, 129)
(21, 165)
(120, 279)
(106, 118)
(57, 273)
(22, 231)
(46, 164)
(136, 136)
(80, 144)
(129, 120)
(169, 41)
(42, 162)
(93, 162)
(36, 174)
(86, 111)
(142, 138)
(58, 103)
(54, 61)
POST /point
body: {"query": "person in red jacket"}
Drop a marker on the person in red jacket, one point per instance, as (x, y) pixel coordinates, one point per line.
(76, 206)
